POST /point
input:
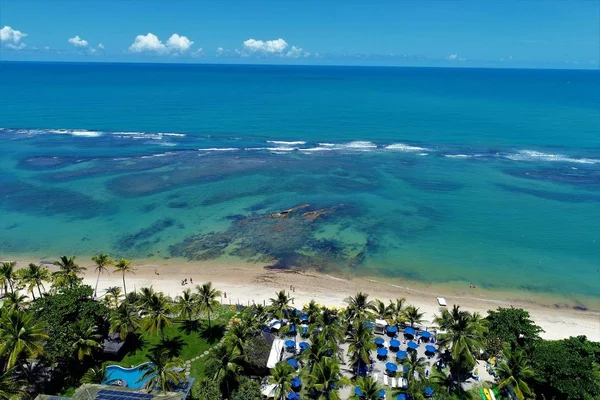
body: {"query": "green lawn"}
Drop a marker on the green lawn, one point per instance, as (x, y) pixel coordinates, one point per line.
(193, 341)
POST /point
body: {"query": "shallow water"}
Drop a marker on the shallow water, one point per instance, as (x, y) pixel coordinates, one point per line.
(483, 176)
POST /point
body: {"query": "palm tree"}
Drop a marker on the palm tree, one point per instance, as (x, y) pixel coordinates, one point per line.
(238, 334)
(165, 372)
(207, 298)
(145, 296)
(463, 337)
(279, 303)
(320, 347)
(293, 322)
(67, 275)
(515, 371)
(383, 311)
(35, 276)
(88, 340)
(416, 366)
(124, 319)
(10, 388)
(359, 306)
(124, 266)
(360, 341)
(186, 305)
(329, 324)
(113, 294)
(370, 389)
(313, 310)
(20, 337)
(156, 314)
(7, 275)
(228, 368)
(102, 261)
(14, 301)
(326, 379)
(95, 374)
(281, 377)
(413, 315)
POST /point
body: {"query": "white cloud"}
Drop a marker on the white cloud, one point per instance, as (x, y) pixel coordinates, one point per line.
(151, 43)
(101, 46)
(46, 47)
(268, 46)
(78, 42)
(297, 52)
(93, 50)
(19, 46)
(8, 34)
(452, 57)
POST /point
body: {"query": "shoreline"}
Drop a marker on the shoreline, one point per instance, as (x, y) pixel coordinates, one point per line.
(246, 283)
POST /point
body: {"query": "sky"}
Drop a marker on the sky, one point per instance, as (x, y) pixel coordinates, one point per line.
(454, 33)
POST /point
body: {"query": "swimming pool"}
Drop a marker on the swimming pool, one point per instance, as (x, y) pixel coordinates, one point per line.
(130, 377)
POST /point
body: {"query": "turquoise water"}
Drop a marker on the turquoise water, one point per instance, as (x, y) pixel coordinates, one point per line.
(438, 175)
(131, 376)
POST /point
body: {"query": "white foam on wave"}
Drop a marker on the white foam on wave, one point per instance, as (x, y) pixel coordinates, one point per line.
(313, 149)
(219, 149)
(532, 155)
(327, 144)
(286, 143)
(75, 132)
(272, 148)
(359, 145)
(405, 147)
(457, 156)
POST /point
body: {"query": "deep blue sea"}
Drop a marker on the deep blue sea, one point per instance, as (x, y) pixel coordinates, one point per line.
(438, 175)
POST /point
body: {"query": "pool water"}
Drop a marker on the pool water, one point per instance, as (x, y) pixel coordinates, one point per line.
(131, 376)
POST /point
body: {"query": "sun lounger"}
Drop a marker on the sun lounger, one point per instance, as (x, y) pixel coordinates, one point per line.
(442, 301)
(385, 380)
(375, 377)
(393, 382)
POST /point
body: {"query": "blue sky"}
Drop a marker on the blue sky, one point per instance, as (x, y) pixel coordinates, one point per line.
(496, 33)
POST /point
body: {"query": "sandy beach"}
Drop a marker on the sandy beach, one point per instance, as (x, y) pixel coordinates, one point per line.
(249, 283)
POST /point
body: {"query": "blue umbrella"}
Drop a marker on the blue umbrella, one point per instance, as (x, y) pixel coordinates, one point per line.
(379, 341)
(429, 391)
(304, 331)
(391, 367)
(405, 368)
(391, 329)
(275, 323)
(394, 343)
(382, 352)
(412, 345)
(298, 312)
(293, 363)
(401, 396)
(430, 349)
(293, 396)
(296, 382)
(369, 325)
(304, 317)
(401, 355)
(304, 345)
(292, 329)
(290, 344)
(382, 394)
(358, 392)
(409, 331)
(425, 334)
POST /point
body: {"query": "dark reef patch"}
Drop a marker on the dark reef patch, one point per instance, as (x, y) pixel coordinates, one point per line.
(49, 162)
(557, 196)
(145, 237)
(178, 204)
(585, 176)
(431, 184)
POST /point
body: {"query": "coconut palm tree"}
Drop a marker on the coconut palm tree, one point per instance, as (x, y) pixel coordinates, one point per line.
(370, 389)
(360, 344)
(281, 377)
(124, 319)
(360, 307)
(88, 340)
(313, 310)
(7, 275)
(20, 336)
(413, 315)
(515, 371)
(112, 296)
(416, 366)
(102, 261)
(228, 368)
(166, 373)
(35, 276)
(124, 266)
(384, 311)
(325, 380)
(145, 296)
(463, 338)
(15, 301)
(207, 298)
(279, 303)
(95, 374)
(293, 322)
(330, 327)
(156, 314)
(10, 387)
(238, 334)
(68, 273)
(186, 305)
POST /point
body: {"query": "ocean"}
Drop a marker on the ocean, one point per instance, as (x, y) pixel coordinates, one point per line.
(449, 176)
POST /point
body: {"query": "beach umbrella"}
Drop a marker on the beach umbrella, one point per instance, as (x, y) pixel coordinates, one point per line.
(369, 325)
(425, 334)
(405, 368)
(430, 349)
(401, 396)
(412, 345)
(429, 391)
(394, 343)
(293, 396)
(290, 344)
(379, 341)
(296, 382)
(391, 329)
(304, 346)
(382, 352)
(293, 363)
(382, 394)
(358, 392)
(401, 355)
(304, 318)
(409, 331)
(391, 367)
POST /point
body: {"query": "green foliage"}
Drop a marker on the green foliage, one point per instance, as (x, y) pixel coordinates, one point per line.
(249, 389)
(512, 326)
(515, 370)
(20, 337)
(206, 389)
(567, 369)
(257, 352)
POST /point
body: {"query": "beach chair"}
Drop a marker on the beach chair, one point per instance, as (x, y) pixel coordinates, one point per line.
(375, 377)
(393, 382)
(385, 380)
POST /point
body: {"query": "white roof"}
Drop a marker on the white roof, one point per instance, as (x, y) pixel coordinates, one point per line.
(275, 354)
(268, 390)
(380, 322)
(442, 301)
